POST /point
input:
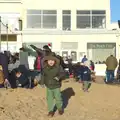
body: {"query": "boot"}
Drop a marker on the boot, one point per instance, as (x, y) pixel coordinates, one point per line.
(60, 112)
(51, 114)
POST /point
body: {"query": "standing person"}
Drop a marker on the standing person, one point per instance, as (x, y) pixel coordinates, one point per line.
(4, 70)
(24, 58)
(111, 64)
(92, 65)
(37, 64)
(70, 65)
(84, 59)
(45, 52)
(86, 76)
(51, 76)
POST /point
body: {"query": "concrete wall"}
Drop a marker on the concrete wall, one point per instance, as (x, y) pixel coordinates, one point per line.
(10, 7)
(81, 39)
(72, 5)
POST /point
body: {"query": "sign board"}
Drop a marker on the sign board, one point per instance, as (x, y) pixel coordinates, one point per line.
(69, 45)
(101, 45)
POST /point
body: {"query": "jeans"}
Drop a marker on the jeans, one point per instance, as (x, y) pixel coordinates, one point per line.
(109, 75)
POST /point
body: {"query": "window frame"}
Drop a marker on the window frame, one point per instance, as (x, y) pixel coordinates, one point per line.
(91, 17)
(64, 15)
(42, 14)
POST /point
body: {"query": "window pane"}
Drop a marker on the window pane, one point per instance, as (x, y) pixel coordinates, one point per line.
(98, 12)
(66, 22)
(83, 21)
(33, 11)
(66, 11)
(83, 12)
(49, 12)
(49, 21)
(74, 55)
(33, 21)
(98, 22)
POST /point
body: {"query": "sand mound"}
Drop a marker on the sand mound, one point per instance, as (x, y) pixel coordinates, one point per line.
(101, 103)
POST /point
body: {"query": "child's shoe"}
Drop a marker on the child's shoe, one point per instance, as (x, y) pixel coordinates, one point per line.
(51, 114)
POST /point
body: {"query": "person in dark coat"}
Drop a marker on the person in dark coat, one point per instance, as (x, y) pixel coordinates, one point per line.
(86, 77)
(4, 65)
(46, 50)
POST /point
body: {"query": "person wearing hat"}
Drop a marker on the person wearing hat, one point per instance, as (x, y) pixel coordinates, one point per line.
(51, 77)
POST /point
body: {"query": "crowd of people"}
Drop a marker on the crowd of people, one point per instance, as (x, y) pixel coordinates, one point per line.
(49, 70)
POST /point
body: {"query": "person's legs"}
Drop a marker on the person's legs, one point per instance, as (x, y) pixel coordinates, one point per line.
(86, 85)
(12, 79)
(112, 75)
(50, 100)
(89, 85)
(58, 98)
(107, 76)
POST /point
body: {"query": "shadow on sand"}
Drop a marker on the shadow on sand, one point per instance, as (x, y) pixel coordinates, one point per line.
(67, 94)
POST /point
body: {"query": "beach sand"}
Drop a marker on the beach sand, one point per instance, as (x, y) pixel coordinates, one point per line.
(102, 102)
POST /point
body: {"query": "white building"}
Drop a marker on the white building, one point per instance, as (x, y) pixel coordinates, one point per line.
(73, 27)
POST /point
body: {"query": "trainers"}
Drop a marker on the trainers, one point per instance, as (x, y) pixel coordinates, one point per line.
(51, 114)
(60, 112)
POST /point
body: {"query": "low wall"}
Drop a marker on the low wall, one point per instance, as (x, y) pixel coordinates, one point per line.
(100, 69)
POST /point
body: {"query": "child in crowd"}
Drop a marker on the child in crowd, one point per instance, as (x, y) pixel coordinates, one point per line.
(86, 76)
(26, 78)
(51, 77)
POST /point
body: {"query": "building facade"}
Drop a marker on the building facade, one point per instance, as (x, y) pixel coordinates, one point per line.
(72, 27)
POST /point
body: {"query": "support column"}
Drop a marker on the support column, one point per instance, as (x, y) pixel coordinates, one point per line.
(59, 19)
(73, 20)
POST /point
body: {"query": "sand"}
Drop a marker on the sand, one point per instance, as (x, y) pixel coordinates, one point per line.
(102, 102)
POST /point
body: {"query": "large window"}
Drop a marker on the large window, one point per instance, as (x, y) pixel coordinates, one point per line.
(66, 20)
(42, 19)
(83, 19)
(11, 19)
(98, 19)
(91, 19)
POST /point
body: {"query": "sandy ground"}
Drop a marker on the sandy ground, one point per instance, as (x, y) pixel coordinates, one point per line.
(102, 102)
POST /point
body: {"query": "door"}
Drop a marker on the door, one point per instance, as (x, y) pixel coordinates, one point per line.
(72, 53)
